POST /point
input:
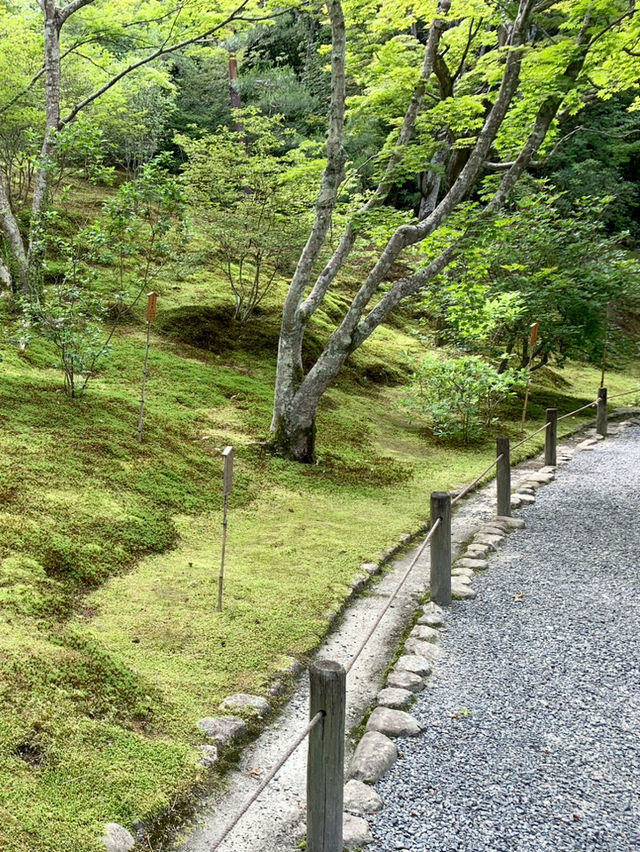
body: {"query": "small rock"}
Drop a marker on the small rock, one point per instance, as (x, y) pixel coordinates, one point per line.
(526, 490)
(117, 839)
(548, 468)
(460, 592)
(527, 499)
(355, 832)
(370, 568)
(426, 650)
(513, 523)
(485, 538)
(360, 798)
(424, 632)
(374, 755)
(490, 529)
(359, 582)
(516, 501)
(432, 608)
(431, 620)
(461, 571)
(294, 668)
(405, 681)
(224, 730)
(276, 688)
(242, 701)
(406, 539)
(414, 664)
(465, 579)
(541, 477)
(393, 723)
(396, 699)
(209, 755)
(474, 564)
(477, 551)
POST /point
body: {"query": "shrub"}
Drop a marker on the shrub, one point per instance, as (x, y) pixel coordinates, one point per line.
(460, 396)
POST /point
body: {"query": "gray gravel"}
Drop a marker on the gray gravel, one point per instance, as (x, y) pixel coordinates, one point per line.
(532, 726)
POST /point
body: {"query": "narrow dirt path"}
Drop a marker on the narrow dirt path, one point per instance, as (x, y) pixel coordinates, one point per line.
(531, 729)
(276, 823)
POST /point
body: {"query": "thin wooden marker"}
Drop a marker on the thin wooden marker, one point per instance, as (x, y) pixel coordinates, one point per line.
(533, 339)
(227, 486)
(152, 303)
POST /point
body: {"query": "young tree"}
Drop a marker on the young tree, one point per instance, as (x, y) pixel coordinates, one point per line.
(494, 81)
(102, 24)
(251, 201)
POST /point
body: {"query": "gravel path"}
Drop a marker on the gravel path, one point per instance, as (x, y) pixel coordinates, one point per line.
(531, 729)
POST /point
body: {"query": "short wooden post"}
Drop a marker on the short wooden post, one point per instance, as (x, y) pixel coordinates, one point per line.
(601, 416)
(551, 437)
(503, 477)
(441, 548)
(325, 763)
(227, 485)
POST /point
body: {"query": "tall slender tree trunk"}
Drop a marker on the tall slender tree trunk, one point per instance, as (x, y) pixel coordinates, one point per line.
(36, 247)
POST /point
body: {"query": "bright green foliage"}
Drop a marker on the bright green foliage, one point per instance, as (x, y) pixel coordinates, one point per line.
(135, 238)
(537, 262)
(252, 201)
(460, 397)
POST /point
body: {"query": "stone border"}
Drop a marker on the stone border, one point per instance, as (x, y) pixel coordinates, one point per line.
(376, 752)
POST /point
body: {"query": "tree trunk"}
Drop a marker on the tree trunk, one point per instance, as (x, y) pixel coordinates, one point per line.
(295, 440)
(35, 252)
(234, 93)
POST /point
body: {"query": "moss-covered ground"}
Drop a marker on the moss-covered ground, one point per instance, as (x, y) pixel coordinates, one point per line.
(110, 645)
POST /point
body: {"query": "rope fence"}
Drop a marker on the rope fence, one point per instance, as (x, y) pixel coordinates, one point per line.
(475, 482)
(389, 603)
(267, 780)
(326, 728)
(624, 393)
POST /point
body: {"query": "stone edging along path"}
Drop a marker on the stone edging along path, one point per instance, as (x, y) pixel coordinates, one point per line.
(276, 821)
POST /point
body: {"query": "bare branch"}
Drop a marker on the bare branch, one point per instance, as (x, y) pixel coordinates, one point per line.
(71, 9)
(613, 24)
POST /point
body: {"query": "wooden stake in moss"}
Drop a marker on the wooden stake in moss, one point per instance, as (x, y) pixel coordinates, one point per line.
(152, 302)
(535, 326)
(227, 485)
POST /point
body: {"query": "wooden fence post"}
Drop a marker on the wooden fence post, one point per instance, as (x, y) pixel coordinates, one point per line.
(440, 583)
(325, 763)
(551, 437)
(503, 477)
(601, 416)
